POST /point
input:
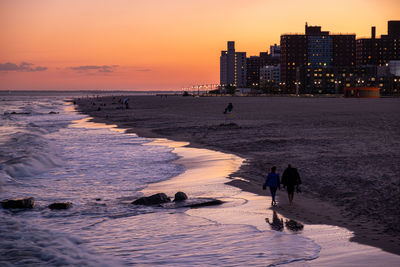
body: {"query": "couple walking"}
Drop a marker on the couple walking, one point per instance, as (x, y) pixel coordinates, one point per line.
(290, 180)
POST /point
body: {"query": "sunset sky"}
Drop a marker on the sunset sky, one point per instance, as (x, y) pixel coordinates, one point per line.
(156, 44)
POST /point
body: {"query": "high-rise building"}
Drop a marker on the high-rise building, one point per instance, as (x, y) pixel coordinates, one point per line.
(391, 41)
(369, 50)
(233, 67)
(293, 55)
(316, 49)
(240, 69)
(379, 51)
(227, 62)
(253, 71)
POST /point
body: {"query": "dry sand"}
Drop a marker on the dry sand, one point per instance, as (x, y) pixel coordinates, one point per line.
(346, 150)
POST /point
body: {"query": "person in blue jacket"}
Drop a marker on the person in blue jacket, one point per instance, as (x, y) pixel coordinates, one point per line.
(273, 182)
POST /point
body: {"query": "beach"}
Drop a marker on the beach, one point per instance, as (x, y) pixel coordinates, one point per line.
(347, 151)
(51, 153)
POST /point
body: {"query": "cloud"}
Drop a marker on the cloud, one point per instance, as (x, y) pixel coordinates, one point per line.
(95, 68)
(23, 66)
(143, 70)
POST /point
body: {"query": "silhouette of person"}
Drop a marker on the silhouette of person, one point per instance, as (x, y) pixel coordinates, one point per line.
(228, 109)
(290, 179)
(272, 181)
(277, 224)
(126, 103)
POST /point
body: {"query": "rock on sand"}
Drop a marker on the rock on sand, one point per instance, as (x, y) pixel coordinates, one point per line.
(18, 203)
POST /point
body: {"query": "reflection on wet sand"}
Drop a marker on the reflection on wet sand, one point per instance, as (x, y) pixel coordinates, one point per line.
(87, 123)
(294, 225)
(277, 223)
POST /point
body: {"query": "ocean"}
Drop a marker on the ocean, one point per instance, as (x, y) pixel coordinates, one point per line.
(50, 152)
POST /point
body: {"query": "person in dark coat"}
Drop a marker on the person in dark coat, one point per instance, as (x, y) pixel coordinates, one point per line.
(290, 180)
(228, 109)
(272, 181)
(126, 103)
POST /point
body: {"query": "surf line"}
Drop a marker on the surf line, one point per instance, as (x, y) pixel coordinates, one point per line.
(203, 181)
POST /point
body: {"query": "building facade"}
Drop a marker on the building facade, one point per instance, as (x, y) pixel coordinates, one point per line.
(379, 51)
(293, 55)
(233, 67)
(318, 62)
(394, 67)
(270, 75)
(369, 51)
(319, 51)
(267, 59)
(343, 50)
(305, 59)
(253, 71)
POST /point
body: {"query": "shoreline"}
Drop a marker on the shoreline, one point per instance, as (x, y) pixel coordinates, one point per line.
(306, 209)
(210, 169)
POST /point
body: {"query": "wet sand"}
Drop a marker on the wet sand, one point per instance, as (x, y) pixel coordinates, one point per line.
(337, 144)
(205, 176)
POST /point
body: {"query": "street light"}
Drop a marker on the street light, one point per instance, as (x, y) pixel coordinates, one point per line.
(297, 87)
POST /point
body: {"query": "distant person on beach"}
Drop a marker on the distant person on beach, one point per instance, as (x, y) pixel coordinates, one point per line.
(272, 181)
(228, 109)
(126, 103)
(291, 180)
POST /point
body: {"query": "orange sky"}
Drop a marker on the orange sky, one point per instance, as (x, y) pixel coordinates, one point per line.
(156, 44)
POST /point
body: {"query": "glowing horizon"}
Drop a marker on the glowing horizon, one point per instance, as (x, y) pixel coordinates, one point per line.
(156, 45)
